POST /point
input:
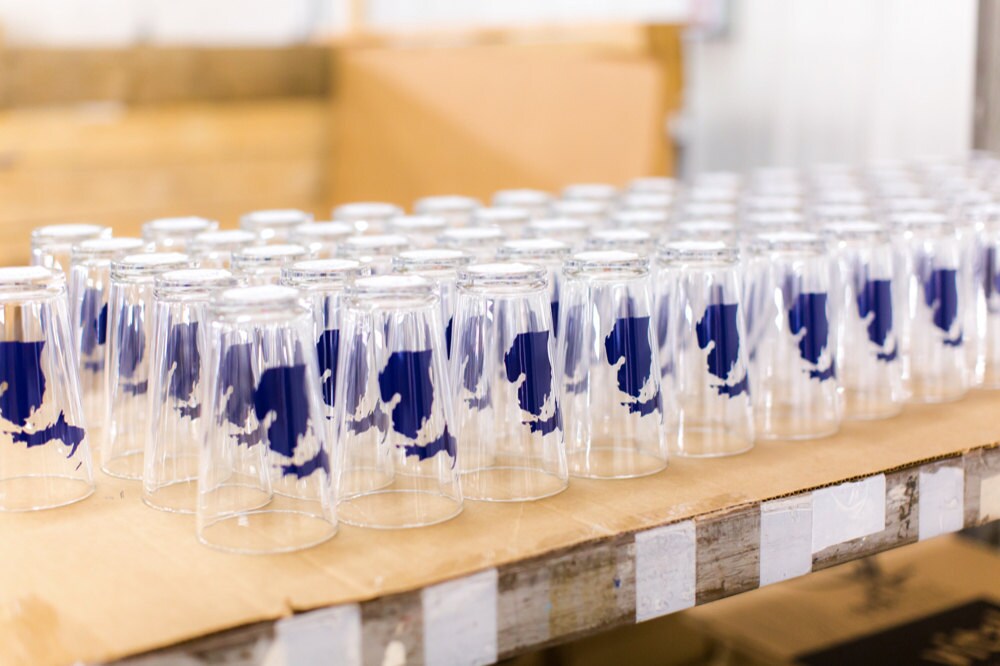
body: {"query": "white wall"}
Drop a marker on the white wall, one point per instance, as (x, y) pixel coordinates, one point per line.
(800, 81)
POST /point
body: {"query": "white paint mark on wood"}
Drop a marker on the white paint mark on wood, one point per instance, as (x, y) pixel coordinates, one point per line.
(325, 636)
(460, 621)
(848, 511)
(941, 501)
(786, 530)
(664, 570)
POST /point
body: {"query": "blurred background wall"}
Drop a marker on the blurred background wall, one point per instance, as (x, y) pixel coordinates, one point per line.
(123, 110)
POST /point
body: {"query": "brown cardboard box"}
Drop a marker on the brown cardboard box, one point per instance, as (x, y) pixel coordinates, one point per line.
(935, 602)
(513, 109)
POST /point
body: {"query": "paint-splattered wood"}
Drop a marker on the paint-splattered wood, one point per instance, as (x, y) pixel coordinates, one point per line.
(594, 585)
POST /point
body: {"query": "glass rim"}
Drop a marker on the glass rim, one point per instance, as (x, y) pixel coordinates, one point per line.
(922, 219)
(653, 183)
(534, 248)
(148, 264)
(107, 247)
(503, 274)
(430, 260)
(697, 250)
(590, 191)
(34, 277)
(446, 203)
(66, 234)
(646, 200)
(790, 240)
(547, 225)
(497, 215)
(328, 229)
(640, 217)
(181, 225)
(482, 235)
(266, 255)
(223, 238)
(567, 208)
(373, 244)
(275, 217)
(606, 261)
(239, 299)
(317, 272)
(403, 224)
(365, 210)
(192, 280)
(861, 228)
(398, 287)
(524, 196)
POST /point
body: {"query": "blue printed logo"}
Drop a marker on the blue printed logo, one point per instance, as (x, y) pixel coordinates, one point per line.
(407, 392)
(527, 365)
(184, 368)
(629, 351)
(717, 330)
(941, 296)
(93, 329)
(22, 392)
(875, 309)
(327, 350)
(131, 349)
(807, 319)
(472, 362)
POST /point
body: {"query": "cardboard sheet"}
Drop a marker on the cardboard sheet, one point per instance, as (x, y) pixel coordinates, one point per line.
(110, 577)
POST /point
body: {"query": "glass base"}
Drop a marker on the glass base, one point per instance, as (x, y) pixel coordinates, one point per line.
(395, 509)
(176, 497)
(613, 462)
(35, 492)
(865, 407)
(511, 484)
(709, 442)
(267, 531)
(126, 465)
(787, 423)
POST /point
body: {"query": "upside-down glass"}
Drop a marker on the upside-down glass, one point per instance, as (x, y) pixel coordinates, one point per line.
(215, 249)
(590, 192)
(507, 419)
(591, 212)
(546, 252)
(52, 245)
(869, 368)
(274, 226)
(608, 371)
(569, 230)
(440, 266)
(321, 238)
(791, 337)
(648, 201)
(375, 251)
(456, 209)
(89, 290)
(536, 202)
(706, 230)
(630, 240)
(931, 303)
(422, 230)
(480, 242)
(322, 283)
(127, 359)
(702, 342)
(396, 411)
(178, 385)
(707, 210)
(44, 454)
(653, 184)
(267, 466)
(367, 216)
(175, 234)
(653, 221)
(986, 305)
(510, 219)
(262, 264)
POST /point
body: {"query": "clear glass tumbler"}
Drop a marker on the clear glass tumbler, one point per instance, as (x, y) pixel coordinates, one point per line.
(702, 339)
(987, 294)
(215, 249)
(321, 238)
(455, 208)
(130, 329)
(422, 230)
(536, 202)
(375, 251)
(791, 334)
(571, 231)
(551, 254)
(178, 385)
(440, 266)
(870, 369)
(396, 411)
(479, 242)
(44, 454)
(52, 245)
(267, 466)
(610, 380)
(274, 226)
(931, 302)
(507, 419)
(175, 234)
(368, 217)
(261, 264)
(89, 291)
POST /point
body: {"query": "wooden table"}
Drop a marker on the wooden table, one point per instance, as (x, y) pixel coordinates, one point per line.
(108, 578)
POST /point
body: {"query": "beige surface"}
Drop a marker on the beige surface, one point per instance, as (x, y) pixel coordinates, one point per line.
(110, 577)
(774, 624)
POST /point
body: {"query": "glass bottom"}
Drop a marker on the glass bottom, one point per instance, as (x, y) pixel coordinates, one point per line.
(862, 406)
(710, 442)
(511, 484)
(177, 497)
(35, 492)
(786, 422)
(127, 465)
(925, 391)
(613, 462)
(267, 531)
(396, 508)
